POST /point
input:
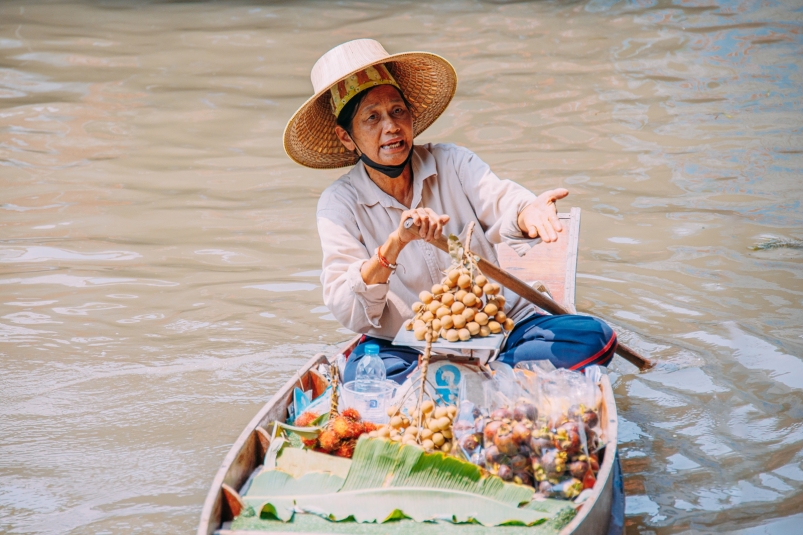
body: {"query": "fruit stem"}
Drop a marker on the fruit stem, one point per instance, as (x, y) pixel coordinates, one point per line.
(335, 402)
(424, 368)
(467, 245)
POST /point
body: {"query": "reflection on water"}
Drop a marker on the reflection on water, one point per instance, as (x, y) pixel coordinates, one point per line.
(159, 261)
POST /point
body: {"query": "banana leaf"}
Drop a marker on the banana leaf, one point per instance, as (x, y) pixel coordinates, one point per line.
(382, 463)
(275, 448)
(388, 481)
(278, 483)
(304, 432)
(297, 462)
(381, 505)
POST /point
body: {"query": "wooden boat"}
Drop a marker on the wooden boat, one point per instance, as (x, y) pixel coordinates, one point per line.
(554, 265)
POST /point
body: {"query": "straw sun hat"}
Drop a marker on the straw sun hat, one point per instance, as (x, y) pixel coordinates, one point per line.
(428, 82)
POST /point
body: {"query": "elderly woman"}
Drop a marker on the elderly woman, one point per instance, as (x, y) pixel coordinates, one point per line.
(367, 109)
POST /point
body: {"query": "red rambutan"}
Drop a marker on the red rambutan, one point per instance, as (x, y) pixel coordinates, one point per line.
(351, 414)
(345, 428)
(305, 419)
(346, 449)
(309, 442)
(328, 440)
(367, 427)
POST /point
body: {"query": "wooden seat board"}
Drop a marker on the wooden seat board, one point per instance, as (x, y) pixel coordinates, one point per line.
(554, 264)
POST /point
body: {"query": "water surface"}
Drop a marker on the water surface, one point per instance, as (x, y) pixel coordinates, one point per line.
(159, 258)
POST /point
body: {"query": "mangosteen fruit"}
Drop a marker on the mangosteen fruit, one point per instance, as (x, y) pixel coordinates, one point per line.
(469, 443)
(590, 418)
(539, 445)
(525, 411)
(505, 472)
(492, 455)
(523, 477)
(521, 433)
(519, 462)
(501, 413)
(578, 469)
(490, 430)
(505, 440)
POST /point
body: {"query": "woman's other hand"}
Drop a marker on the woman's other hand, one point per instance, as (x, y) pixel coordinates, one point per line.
(430, 225)
(540, 218)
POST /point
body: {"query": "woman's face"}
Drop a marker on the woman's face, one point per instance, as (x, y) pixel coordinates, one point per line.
(382, 127)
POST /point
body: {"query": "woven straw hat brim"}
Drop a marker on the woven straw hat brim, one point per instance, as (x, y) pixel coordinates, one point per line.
(427, 80)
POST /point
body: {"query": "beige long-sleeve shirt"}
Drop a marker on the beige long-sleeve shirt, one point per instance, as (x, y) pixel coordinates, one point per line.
(355, 217)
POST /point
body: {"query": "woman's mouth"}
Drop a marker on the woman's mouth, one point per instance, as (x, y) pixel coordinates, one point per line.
(394, 145)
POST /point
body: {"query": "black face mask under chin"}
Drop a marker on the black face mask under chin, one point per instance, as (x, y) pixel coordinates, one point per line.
(393, 171)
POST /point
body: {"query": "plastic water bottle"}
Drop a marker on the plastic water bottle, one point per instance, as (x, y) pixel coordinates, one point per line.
(370, 386)
(370, 369)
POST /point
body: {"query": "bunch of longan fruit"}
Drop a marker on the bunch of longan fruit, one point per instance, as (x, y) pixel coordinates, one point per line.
(434, 434)
(456, 311)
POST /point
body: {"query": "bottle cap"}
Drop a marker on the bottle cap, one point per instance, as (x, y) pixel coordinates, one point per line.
(371, 349)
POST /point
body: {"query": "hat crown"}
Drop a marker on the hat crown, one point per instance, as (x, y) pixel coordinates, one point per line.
(344, 60)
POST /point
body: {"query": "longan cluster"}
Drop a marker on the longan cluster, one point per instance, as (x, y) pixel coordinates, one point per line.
(456, 310)
(435, 431)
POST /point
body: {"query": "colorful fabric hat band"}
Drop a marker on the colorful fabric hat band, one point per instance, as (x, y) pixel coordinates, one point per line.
(348, 88)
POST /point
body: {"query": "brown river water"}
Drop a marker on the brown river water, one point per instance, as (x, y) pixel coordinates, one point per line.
(159, 257)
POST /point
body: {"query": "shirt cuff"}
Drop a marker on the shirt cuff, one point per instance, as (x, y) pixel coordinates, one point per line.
(372, 297)
(511, 233)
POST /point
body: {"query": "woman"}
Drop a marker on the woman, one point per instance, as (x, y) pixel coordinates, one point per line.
(367, 109)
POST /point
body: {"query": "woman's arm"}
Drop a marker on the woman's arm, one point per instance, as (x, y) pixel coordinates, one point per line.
(430, 227)
(356, 305)
(355, 284)
(507, 211)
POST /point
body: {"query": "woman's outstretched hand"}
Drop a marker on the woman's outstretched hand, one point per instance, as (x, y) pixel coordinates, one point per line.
(540, 218)
(430, 225)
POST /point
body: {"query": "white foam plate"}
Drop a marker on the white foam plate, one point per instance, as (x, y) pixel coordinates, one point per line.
(492, 342)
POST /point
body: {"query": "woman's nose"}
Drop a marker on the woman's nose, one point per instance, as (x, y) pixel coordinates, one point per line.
(391, 125)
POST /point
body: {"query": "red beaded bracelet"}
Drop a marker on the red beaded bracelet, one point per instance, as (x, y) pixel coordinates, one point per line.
(384, 261)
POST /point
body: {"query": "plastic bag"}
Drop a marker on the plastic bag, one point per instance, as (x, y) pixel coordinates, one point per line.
(538, 426)
(502, 388)
(467, 427)
(507, 429)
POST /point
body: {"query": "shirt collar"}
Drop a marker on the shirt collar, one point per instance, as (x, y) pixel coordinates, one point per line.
(368, 192)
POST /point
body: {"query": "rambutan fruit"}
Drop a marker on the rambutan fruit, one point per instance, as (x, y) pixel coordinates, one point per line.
(346, 449)
(367, 427)
(328, 440)
(345, 428)
(305, 419)
(351, 414)
(309, 442)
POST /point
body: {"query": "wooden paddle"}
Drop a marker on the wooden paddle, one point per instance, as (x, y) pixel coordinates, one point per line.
(532, 295)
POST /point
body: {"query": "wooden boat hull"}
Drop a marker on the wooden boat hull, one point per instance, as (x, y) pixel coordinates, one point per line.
(248, 451)
(555, 265)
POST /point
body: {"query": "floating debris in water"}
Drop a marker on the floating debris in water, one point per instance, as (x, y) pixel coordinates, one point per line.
(775, 243)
